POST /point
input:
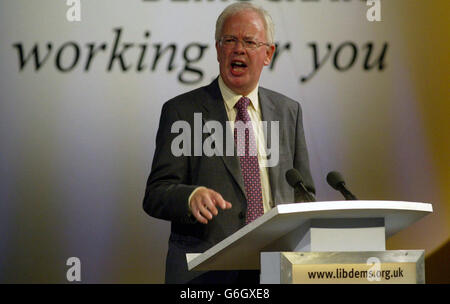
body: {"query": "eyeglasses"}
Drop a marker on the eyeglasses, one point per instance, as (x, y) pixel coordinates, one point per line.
(231, 41)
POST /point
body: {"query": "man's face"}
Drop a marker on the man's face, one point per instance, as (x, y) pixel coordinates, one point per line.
(240, 68)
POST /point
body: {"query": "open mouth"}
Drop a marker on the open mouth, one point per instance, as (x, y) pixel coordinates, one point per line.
(238, 67)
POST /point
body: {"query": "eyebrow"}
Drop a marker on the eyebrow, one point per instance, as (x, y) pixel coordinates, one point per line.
(245, 37)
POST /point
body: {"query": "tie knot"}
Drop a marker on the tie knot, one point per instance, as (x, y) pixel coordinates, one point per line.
(242, 104)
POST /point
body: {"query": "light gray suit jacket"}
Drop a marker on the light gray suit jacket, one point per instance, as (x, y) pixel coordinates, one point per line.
(172, 179)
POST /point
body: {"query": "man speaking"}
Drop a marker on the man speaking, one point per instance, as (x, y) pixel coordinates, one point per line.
(209, 197)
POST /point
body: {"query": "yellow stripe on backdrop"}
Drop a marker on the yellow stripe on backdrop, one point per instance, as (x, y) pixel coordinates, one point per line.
(426, 29)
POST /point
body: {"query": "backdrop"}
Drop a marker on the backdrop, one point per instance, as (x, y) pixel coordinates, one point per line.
(80, 103)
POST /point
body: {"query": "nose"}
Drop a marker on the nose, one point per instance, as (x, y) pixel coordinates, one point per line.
(239, 47)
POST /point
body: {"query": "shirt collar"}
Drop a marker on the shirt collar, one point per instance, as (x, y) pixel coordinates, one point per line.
(231, 98)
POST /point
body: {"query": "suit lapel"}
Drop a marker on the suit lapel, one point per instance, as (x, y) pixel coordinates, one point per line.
(214, 109)
(269, 114)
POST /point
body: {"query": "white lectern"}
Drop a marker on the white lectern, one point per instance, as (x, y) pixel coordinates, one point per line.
(332, 226)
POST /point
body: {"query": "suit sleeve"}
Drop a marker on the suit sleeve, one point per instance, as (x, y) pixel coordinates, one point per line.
(168, 189)
(301, 159)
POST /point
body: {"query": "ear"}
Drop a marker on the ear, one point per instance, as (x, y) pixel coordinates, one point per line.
(270, 50)
(217, 50)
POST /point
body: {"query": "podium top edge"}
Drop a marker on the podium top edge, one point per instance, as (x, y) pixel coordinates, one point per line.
(353, 205)
(401, 209)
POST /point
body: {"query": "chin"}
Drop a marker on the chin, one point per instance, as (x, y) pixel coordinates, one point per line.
(238, 84)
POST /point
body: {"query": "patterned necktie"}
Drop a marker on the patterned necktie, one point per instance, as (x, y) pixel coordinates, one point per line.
(248, 159)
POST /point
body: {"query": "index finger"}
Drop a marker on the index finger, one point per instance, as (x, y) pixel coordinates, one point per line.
(219, 200)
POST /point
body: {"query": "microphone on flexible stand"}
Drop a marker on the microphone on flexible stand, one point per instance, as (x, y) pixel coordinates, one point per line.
(336, 181)
(295, 179)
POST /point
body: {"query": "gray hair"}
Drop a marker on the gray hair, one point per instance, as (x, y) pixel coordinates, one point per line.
(243, 6)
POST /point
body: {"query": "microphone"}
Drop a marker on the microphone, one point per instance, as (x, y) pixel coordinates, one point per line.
(336, 181)
(295, 179)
